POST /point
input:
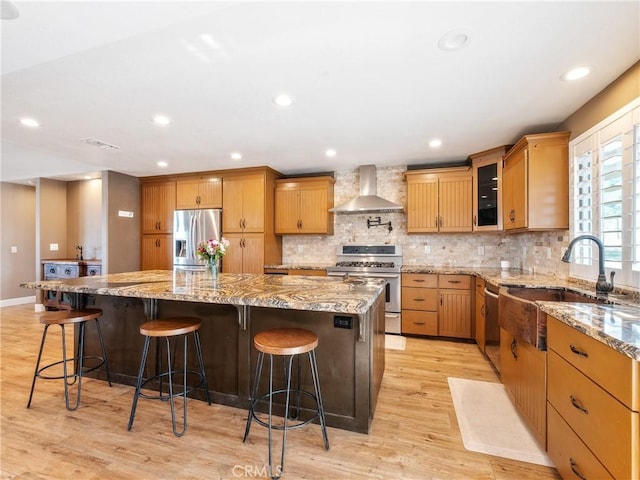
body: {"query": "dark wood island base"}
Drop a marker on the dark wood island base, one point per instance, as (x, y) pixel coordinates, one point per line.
(350, 352)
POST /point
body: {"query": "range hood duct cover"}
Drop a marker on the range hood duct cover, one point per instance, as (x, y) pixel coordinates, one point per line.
(367, 201)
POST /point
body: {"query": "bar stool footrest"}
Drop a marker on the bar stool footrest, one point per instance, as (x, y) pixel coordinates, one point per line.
(264, 399)
(75, 374)
(166, 396)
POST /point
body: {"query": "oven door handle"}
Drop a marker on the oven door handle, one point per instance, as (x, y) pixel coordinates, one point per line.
(374, 275)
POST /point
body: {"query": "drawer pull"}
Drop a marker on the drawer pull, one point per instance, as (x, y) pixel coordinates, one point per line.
(574, 469)
(577, 404)
(578, 352)
(454, 281)
(419, 323)
(419, 281)
(418, 299)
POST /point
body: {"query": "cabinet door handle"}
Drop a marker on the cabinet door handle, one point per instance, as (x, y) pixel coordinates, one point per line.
(482, 310)
(578, 351)
(441, 300)
(198, 199)
(514, 346)
(578, 405)
(418, 323)
(574, 469)
(512, 215)
(475, 220)
(240, 223)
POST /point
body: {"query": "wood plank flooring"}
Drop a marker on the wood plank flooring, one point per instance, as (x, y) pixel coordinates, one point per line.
(414, 434)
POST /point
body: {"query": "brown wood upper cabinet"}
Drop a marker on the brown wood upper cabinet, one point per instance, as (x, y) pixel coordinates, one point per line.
(199, 193)
(487, 189)
(439, 200)
(243, 200)
(248, 220)
(535, 183)
(302, 205)
(158, 204)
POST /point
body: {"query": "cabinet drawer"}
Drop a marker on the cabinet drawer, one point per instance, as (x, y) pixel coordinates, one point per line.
(419, 323)
(92, 271)
(457, 282)
(50, 271)
(68, 271)
(570, 456)
(420, 298)
(608, 428)
(424, 280)
(613, 371)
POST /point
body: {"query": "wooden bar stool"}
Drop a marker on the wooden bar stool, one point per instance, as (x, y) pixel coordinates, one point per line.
(170, 328)
(71, 317)
(289, 343)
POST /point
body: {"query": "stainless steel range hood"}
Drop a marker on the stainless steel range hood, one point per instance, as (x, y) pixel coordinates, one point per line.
(367, 201)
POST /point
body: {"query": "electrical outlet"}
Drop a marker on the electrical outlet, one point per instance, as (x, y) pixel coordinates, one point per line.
(300, 248)
(481, 251)
(53, 247)
(427, 249)
(14, 249)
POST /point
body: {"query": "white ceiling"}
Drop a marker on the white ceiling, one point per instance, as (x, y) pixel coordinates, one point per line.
(368, 80)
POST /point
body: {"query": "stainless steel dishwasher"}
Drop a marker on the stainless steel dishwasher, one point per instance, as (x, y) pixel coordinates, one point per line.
(492, 327)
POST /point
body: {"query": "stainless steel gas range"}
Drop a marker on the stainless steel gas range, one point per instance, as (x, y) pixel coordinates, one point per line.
(375, 261)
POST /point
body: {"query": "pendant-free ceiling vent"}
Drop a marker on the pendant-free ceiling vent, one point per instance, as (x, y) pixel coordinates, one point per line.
(367, 201)
(98, 143)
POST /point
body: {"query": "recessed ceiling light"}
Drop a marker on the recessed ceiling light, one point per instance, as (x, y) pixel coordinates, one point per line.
(454, 40)
(29, 122)
(576, 73)
(330, 152)
(87, 177)
(283, 100)
(162, 164)
(236, 156)
(8, 11)
(161, 120)
(435, 143)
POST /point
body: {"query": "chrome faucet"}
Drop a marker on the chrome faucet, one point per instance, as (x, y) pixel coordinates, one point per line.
(602, 286)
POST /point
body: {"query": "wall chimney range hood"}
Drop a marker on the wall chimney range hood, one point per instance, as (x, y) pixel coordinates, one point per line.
(367, 201)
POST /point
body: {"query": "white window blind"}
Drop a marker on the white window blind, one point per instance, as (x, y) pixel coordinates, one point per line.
(605, 201)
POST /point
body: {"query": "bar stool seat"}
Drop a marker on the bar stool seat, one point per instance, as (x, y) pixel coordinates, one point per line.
(170, 328)
(71, 317)
(288, 343)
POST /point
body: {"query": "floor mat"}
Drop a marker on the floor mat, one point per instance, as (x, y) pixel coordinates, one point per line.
(395, 342)
(489, 422)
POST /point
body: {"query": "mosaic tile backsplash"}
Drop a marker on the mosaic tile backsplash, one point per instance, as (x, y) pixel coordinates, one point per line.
(538, 252)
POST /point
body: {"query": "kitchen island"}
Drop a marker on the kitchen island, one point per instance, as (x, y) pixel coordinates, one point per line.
(347, 315)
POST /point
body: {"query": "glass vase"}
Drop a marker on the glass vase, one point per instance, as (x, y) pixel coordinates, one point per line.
(213, 268)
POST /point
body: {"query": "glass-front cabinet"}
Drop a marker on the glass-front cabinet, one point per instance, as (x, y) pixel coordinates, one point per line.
(487, 189)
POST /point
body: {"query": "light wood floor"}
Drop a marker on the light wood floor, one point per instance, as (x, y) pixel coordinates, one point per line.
(414, 434)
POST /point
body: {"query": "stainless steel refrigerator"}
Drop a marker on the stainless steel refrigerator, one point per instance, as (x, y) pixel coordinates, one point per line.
(190, 227)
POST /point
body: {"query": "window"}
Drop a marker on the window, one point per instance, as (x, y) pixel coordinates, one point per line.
(606, 197)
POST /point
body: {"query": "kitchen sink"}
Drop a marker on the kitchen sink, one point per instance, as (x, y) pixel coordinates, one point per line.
(520, 316)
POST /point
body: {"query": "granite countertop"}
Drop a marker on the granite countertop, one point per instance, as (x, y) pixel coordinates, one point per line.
(306, 266)
(614, 321)
(71, 261)
(325, 294)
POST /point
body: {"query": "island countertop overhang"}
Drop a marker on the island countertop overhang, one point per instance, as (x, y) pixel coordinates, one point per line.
(323, 294)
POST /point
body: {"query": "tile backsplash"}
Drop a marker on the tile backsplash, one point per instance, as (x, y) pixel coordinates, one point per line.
(538, 252)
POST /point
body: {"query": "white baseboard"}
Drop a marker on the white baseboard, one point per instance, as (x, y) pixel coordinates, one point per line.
(10, 302)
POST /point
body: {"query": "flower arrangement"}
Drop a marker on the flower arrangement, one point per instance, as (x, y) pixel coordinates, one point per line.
(212, 250)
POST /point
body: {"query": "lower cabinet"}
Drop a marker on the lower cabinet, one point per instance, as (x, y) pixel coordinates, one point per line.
(523, 371)
(436, 305)
(480, 319)
(157, 252)
(593, 404)
(245, 253)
